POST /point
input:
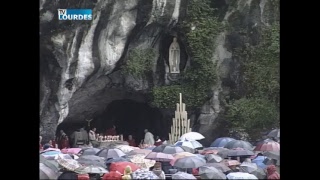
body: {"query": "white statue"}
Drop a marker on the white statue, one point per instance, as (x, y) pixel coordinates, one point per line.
(174, 56)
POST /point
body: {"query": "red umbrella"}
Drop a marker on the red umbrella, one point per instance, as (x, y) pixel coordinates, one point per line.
(120, 166)
(112, 175)
(268, 146)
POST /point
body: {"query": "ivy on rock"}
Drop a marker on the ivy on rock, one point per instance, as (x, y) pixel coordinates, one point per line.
(259, 108)
(200, 29)
(140, 62)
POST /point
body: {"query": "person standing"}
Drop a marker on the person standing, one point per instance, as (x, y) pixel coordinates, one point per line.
(112, 131)
(272, 172)
(63, 141)
(92, 138)
(131, 141)
(148, 138)
(84, 135)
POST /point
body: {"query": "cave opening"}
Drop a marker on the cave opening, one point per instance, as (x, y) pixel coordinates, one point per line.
(131, 118)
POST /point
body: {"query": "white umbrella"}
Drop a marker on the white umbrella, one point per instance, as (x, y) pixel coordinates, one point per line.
(192, 136)
(241, 175)
(191, 144)
(249, 167)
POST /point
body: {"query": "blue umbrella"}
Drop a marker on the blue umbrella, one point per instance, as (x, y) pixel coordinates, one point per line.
(50, 153)
(259, 161)
(221, 142)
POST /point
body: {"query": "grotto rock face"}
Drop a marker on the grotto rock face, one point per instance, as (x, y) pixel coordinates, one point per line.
(82, 62)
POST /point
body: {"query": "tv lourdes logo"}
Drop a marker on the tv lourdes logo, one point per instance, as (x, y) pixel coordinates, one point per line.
(75, 14)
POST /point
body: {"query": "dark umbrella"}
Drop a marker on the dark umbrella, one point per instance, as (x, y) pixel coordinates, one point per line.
(91, 160)
(222, 167)
(168, 149)
(121, 159)
(89, 151)
(221, 142)
(272, 154)
(239, 144)
(110, 153)
(189, 162)
(187, 149)
(240, 152)
(274, 133)
(210, 172)
(268, 146)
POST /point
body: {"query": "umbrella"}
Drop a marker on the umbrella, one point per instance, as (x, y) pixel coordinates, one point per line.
(168, 149)
(91, 160)
(71, 150)
(182, 175)
(50, 153)
(110, 153)
(232, 162)
(46, 173)
(92, 170)
(69, 164)
(180, 155)
(121, 159)
(144, 174)
(259, 161)
(192, 136)
(238, 144)
(241, 175)
(268, 146)
(125, 148)
(220, 166)
(221, 142)
(188, 149)
(114, 175)
(274, 133)
(263, 141)
(139, 151)
(52, 164)
(191, 144)
(140, 160)
(259, 172)
(205, 152)
(212, 158)
(189, 162)
(248, 167)
(50, 149)
(272, 154)
(222, 152)
(209, 172)
(158, 156)
(89, 151)
(120, 166)
(240, 152)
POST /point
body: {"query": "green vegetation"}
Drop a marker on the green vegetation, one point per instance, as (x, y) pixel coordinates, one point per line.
(140, 62)
(199, 79)
(259, 108)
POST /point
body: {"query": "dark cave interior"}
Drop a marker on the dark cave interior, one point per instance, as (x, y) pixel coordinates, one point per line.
(130, 118)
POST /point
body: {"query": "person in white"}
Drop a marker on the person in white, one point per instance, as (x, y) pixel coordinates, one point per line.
(148, 138)
(92, 138)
